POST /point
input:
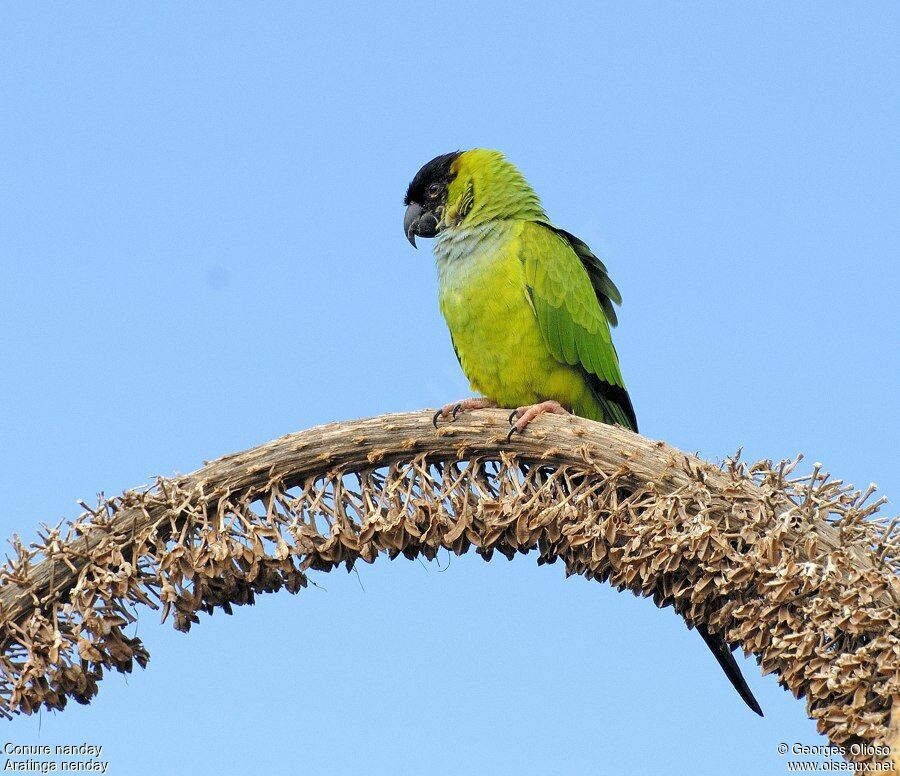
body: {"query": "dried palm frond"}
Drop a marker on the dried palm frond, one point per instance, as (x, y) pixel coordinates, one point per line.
(799, 571)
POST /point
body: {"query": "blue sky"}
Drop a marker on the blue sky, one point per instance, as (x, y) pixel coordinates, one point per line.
(201, 249)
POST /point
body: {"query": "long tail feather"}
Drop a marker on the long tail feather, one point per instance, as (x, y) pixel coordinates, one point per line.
(723, 654)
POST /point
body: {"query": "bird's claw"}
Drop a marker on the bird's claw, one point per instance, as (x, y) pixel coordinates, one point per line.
(513, 416)
(443, 413)
(520, 418)
(452, 410)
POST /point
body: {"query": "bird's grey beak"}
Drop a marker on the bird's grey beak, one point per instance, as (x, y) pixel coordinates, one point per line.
(418, 221)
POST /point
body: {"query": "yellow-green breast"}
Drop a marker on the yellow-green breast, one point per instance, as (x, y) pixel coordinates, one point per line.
(485, 301)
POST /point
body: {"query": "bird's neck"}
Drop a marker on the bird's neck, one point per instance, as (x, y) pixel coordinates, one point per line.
(465, 247)
(489, 188)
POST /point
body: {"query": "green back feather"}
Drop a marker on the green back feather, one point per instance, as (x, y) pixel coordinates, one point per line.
(606, 291)
(573, 299)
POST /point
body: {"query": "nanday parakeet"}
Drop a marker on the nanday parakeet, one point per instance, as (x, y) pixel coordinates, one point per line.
(528, 305)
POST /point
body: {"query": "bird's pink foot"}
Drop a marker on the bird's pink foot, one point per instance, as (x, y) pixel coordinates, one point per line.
(520, 418)
(454, 408)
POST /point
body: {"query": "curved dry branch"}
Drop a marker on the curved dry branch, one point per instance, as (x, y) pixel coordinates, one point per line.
(796, 571)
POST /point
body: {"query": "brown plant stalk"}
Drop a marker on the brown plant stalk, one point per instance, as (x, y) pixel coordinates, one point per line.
(799, 571)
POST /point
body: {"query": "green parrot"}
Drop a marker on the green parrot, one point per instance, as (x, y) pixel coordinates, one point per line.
(528, 305)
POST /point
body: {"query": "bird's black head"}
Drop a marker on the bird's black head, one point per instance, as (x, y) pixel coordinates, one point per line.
(426, 197)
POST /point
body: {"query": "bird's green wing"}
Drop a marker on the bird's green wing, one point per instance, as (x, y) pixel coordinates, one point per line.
(606, 291)
(572, 296)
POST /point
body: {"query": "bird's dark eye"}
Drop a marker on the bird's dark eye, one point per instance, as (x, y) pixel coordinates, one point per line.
(433, 190)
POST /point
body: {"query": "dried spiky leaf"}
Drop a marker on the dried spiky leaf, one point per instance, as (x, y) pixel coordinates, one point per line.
(802, 573)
